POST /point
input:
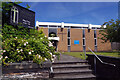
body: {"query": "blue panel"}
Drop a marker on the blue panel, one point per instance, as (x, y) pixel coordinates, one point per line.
(76, 41)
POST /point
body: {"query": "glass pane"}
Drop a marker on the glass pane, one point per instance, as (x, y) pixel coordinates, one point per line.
(83, 33)
(43, 26)
(52, 32)
(68, 41)
(16, 17)
(68, 32)
(95, 42)
(83, 42)
(95, 34)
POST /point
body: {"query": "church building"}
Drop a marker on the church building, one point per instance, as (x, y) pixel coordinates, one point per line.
(19, 15)
(67, 37)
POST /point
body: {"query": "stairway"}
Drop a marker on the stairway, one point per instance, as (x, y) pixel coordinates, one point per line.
(72, 70)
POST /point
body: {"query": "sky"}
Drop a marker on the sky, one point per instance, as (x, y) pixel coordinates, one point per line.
(74, 12)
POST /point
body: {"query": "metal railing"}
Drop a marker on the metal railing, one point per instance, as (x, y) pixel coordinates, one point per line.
(100, 59)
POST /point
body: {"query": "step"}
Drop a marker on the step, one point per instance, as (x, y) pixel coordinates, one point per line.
(72, 67)
(71, 73)
(69, 63)
(76, 77)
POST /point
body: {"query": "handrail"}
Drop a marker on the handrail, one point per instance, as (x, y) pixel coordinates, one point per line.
(100, 59)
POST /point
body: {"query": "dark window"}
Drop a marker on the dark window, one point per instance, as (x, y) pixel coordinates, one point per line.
(68, 41)
(16, 15)
(68, 32)
(52, 26)
(43, 26)
(83, 42)
(83, 33)
(95, 42)
(66, 26)
(95, 34)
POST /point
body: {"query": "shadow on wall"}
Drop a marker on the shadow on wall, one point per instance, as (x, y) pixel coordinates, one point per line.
(115, 46)
(105, 71)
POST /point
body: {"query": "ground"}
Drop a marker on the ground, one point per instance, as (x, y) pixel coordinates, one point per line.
(82, 55)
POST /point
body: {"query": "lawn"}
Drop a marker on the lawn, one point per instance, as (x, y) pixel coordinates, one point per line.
(82, 55)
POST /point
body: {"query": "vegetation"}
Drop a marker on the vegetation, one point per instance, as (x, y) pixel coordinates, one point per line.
(82, 55)
(23, 44)
(111, 32)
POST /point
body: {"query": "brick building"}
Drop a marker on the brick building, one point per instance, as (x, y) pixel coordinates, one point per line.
(74, 37)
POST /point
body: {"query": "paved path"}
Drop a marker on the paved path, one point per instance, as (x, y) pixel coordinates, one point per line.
(68, 58)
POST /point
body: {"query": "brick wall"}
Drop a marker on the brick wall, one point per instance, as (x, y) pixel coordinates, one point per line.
(45, 30)
(102, 46)
(76, 34)
(89, 37)
(62, 44)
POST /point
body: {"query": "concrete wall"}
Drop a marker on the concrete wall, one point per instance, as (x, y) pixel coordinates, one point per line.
(105, 71)
(62, 44)
(115, 46)
(76, 34)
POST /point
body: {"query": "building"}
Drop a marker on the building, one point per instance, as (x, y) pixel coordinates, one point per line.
(19, 15)
(74, 37)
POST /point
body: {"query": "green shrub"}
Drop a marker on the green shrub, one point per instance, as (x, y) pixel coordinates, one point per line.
(23, 44)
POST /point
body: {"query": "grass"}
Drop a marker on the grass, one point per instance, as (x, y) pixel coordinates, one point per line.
(82, 55)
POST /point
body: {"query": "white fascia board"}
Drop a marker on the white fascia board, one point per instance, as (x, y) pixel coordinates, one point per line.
(98, 26)
(76, 25)
(66, 24)
(49, 23)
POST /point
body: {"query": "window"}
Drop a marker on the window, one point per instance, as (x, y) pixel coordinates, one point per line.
(52, 32)
(68, 41)
(68, 32)
(95, 42)
(83, 42)
(95, 34)
(43, 26)
(95, 48)
(14, 15)
(83, 33)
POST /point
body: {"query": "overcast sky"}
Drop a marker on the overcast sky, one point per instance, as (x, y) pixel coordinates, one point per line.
(74, 12)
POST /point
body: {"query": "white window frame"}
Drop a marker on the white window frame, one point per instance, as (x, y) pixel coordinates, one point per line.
(13, 16)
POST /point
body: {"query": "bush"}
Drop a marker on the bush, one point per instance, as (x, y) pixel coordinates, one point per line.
(23, 44)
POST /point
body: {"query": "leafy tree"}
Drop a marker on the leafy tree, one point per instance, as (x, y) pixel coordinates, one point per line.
(111, 32)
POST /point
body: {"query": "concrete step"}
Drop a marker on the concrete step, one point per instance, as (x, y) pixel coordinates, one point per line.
(71, 73)
(72, 67)
(70, 63)
(76, 77)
